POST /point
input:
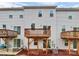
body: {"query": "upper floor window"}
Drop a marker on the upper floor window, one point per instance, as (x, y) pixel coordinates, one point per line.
(70, 17)
(21, 16)
(4, 26)
(51, 14)
(18, 29)
(40, 14)
(10, 16)
(33, 26)
(75, 28)
(63, 29)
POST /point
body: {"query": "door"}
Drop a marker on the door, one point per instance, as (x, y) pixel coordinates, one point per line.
(74, 44)
(44, 43)
(17, 43)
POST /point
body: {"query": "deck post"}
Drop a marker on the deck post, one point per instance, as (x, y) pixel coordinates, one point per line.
(28, 46)
(69, 45)
(46, 45)
(6, 43)
(28, 43)
(78, 46)
(37, 44)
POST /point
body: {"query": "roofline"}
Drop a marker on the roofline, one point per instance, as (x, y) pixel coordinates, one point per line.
(12, 9)
(67, 9)
(39, 7)
(27, 7)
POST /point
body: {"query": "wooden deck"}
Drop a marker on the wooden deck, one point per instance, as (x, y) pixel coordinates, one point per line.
(10, 52)
(6, 33)
(70, 35)
(40, 52)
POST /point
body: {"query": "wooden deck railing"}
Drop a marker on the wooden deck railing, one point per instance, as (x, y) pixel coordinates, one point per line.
(37, 33)
(70, 34)
(7, 33)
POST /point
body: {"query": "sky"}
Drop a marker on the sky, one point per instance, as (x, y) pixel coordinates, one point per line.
(58, 4)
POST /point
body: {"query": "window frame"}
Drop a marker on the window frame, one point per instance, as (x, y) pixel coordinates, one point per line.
(51, 13)
(21, 16)
(4, 26)
(16, 29)
(15, 43)
(70, 17)
(40, 14)
(10, 16)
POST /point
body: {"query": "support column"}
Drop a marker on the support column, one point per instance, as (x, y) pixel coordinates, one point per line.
(78, 47)
(28, 43)
(69, 45)
(37, 45)
(28, 46)
(6, 43)
(46, 45)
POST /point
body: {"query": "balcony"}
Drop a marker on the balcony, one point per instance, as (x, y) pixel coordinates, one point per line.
(4, 33)
(37, 33)
(70, 35)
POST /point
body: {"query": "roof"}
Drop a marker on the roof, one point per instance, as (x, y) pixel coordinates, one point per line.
(67, 9)
(39, 7)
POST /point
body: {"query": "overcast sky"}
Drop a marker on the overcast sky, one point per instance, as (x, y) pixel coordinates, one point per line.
(19, 4)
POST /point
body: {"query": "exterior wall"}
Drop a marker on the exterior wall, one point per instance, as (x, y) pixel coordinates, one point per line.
(31, 16)
(62, 20)
(57, 22)
(10, 23)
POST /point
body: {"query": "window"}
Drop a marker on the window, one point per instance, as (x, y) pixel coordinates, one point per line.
(17, 42)
(10, 16)
(18, 29)
(75, 29)
(35, 42)
(65, 42)
(45, 29)
(63, 28)
(51, 13)
(33, 26)
(21, 16)
(40, 14)
(4, 26)
(70, 17)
